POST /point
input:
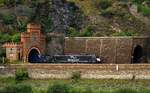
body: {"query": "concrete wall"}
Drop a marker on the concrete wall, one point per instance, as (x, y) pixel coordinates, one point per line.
(88, 71)
(109, 49)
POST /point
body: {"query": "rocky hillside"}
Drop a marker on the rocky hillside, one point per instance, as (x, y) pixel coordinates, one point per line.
(75, 17)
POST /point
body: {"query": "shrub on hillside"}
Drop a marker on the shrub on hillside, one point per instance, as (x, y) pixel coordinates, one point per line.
(73, 32)
(16, 37)
(19, 88)
(138, 1)
(104, 4)
(144, 10)
(58, 88)
(2, 54)
(5, 37)
(2, 51)
(87, 32)
(2, 2)
(125, 33)
(109, 12)
(21, 25)
(8, 19)
(21, 74)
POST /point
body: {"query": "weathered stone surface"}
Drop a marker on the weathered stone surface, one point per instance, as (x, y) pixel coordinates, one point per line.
(93, 46)
(110, 49)
(124, 50)
(75, 46)
(88, 71)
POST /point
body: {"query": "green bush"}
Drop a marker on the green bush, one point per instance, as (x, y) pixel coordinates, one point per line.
(2, 54)
(5, 37)
(73, 32)
(146, 91)
(38, 90)
(104, 4)
(77, 90)
(24, 88)
(125, 90)
(125, 33)
(21, 25)
(76, 76)
(58, 88)
(2, 2)
(19, 88)
(87, 32)
(144, 10)
(88, 90)
(138, 1)
(109, 12)
(8, 19)
(21, 74)
(16, 38)
(11, 3)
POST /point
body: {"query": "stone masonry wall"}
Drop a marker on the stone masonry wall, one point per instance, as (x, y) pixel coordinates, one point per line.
(110, 49)
(88, 71)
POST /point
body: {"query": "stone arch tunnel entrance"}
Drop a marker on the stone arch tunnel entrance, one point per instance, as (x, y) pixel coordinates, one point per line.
(34, 56)
(137, 54)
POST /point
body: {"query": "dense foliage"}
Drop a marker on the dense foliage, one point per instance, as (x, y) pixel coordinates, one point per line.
(86, 32)
(6, 37)
(2, 55)
(61, 87)
(21, 74)
(17, 88)
(58, 88)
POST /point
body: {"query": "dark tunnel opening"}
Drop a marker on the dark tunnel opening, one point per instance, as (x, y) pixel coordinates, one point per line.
(33, 56)
(138, 54)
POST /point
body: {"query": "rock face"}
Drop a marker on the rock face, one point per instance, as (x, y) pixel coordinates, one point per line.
(64, 15)
(60, 15)
(55, 46)
(54, 15)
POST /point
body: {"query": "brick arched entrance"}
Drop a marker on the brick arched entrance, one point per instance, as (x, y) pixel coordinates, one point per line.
(33, 39)
(34, 55)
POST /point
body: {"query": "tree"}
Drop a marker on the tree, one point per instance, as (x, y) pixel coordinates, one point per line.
(9, 3)
(16, 37)
(8, 19)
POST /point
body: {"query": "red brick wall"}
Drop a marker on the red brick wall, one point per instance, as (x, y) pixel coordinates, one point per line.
(109, 49)
(33, 38)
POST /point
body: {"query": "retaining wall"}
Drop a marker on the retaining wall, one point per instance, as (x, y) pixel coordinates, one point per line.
(116, 50)
(88, 71)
